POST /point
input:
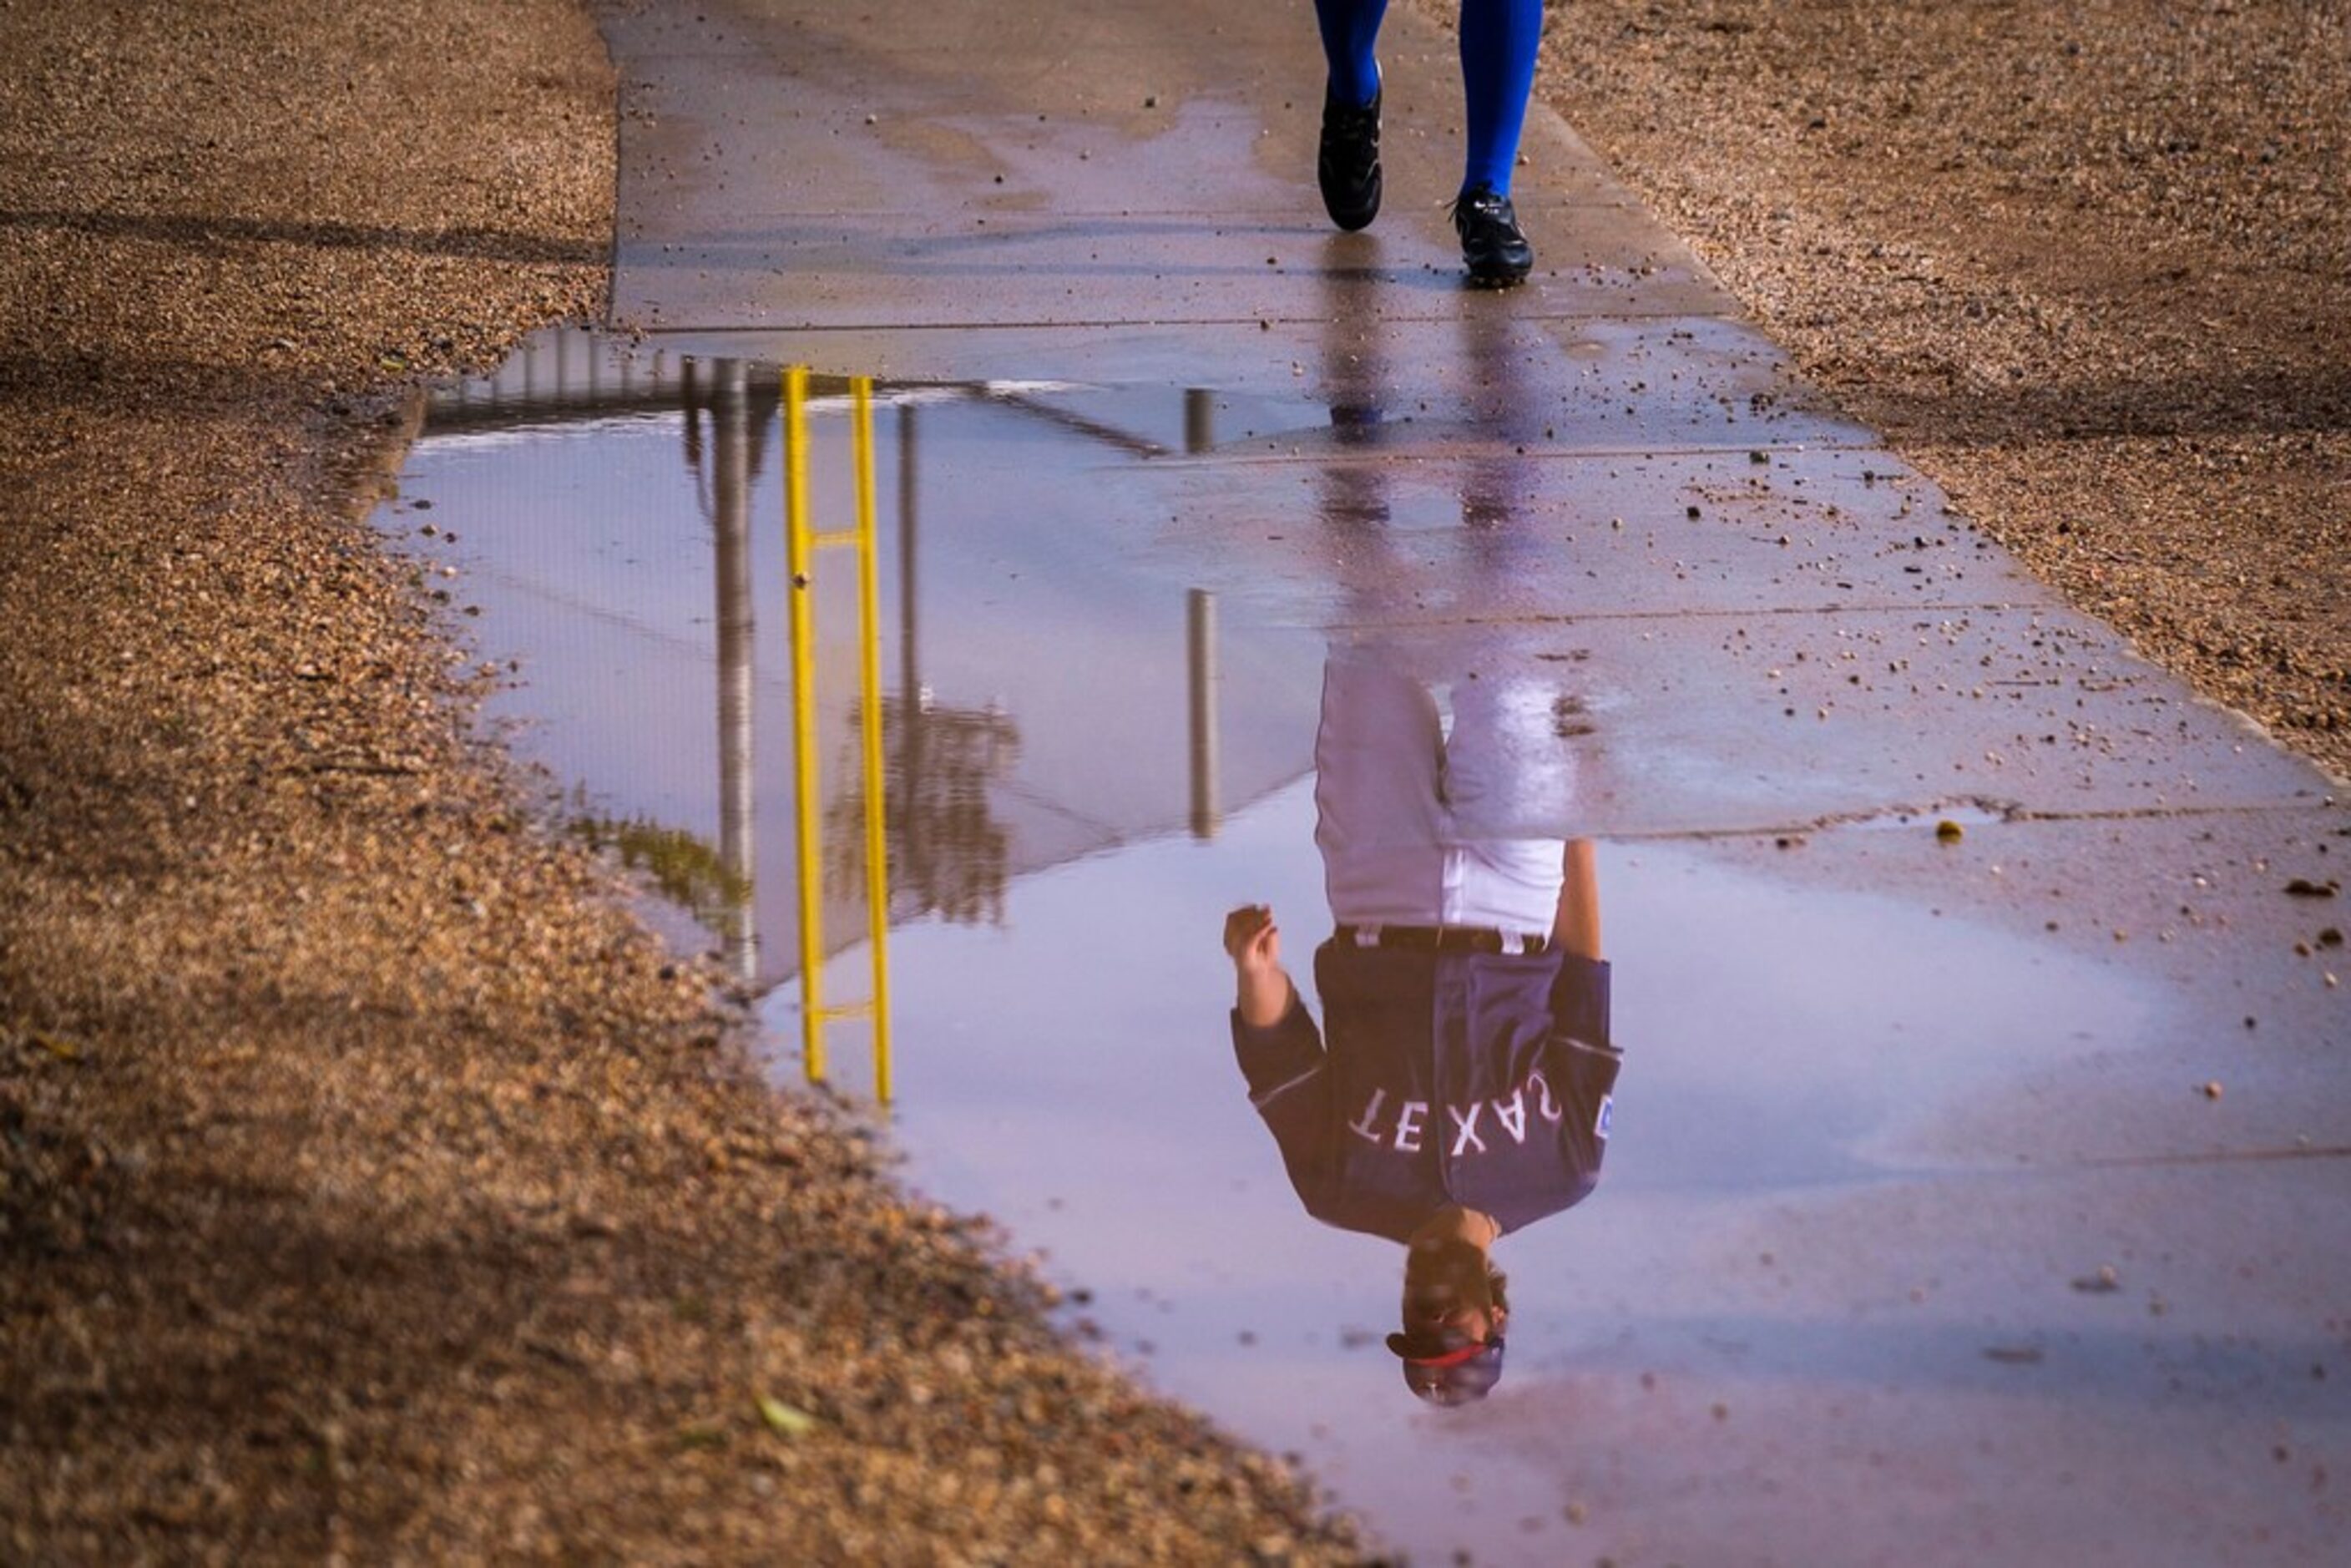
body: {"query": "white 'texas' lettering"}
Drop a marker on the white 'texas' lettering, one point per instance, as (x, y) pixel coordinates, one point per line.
(1512, 1114)
(1467, 1134)
(1545, 1106)
(1410, 1124)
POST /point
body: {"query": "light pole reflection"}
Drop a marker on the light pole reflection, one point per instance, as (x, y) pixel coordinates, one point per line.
(1200, 649)
(731, 526)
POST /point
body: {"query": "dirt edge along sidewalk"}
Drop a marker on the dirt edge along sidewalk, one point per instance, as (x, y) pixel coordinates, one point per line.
(370, 1185)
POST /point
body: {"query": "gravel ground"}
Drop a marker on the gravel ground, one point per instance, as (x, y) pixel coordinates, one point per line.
(371, 1187)
(2088, 266)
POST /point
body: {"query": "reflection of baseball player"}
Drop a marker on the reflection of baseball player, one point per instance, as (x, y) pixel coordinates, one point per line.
(1460, 1085)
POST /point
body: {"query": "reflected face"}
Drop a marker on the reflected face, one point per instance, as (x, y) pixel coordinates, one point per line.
(1448, 1295)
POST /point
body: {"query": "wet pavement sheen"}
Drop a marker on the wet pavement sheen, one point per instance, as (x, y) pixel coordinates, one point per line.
(1971, 1184)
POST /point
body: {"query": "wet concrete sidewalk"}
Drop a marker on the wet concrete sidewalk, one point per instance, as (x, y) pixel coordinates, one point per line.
(1977, 1186)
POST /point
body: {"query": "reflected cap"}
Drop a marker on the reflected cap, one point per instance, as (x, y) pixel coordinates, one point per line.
(1446, 1372)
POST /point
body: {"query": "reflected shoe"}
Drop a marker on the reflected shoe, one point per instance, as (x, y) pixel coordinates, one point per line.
(1349, 164)
(1493, 246)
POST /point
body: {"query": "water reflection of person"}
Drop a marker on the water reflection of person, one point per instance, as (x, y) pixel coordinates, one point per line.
(1460, 1086)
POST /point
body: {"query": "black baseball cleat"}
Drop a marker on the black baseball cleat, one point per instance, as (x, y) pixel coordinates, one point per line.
(1493, 246)
(1349, 164)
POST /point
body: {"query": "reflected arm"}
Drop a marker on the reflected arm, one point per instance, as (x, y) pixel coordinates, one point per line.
(1263, 996)
(1581, 1060)
(1575, 926)
(1275, 1038)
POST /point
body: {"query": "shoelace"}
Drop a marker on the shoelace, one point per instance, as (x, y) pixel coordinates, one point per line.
(1351, 123)
(1479, 204)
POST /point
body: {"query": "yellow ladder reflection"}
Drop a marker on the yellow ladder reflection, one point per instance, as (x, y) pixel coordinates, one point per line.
(803, 540)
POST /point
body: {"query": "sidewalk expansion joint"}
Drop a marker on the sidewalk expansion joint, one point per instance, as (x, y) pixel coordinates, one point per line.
(1942, 610)
(1397, 454)
(2216, 1157)
(2000, 812)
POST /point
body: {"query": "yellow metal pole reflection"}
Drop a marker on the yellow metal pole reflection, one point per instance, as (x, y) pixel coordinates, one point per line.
(869, 626)
(804, 759)
(803, 540)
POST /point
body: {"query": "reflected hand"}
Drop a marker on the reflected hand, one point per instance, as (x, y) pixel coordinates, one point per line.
(1252, 940)
(1262, 992)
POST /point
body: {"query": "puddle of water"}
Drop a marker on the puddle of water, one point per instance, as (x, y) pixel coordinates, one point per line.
(1087, 764)
(622, 536)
